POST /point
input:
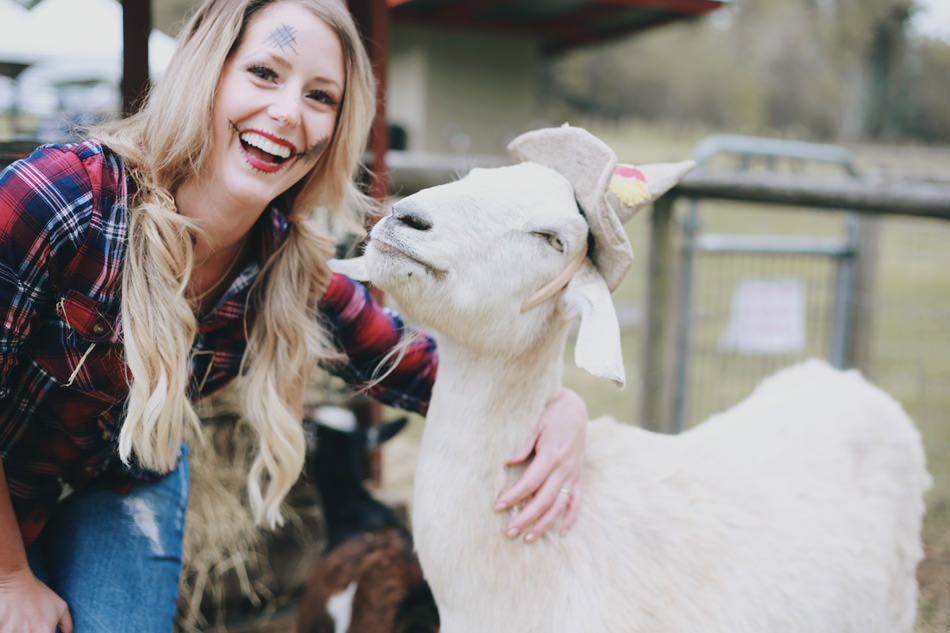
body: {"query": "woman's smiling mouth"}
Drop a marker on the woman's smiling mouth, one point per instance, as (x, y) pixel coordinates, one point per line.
(264, 151)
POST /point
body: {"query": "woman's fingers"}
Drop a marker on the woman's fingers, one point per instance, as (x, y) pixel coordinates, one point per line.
(547, 501)
(573, 506)
(562, 501)
(525, 487)
(27, 605)
(65, 623)
(541, 486)
(525, 451)
(550, 486)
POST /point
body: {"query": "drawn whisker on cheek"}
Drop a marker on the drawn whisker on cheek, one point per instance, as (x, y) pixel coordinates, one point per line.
(314, 150)
(283, 37)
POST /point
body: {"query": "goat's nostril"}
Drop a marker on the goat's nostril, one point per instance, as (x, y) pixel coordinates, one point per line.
(413, 218)
(416, 222)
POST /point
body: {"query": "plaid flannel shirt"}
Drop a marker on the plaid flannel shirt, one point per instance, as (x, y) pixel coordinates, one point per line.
(63, 379)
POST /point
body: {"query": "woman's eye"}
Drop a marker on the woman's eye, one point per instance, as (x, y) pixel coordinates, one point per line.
(323, 97)
(551, 239)
(262, 72)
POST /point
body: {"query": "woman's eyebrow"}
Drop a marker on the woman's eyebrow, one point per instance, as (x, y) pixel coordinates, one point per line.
(283, 37)
(324, 81)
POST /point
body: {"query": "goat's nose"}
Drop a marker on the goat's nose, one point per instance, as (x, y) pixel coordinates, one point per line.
(412, 217)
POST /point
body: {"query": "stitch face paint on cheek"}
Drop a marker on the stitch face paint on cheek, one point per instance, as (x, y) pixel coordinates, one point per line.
(283, 37)
(314, 150)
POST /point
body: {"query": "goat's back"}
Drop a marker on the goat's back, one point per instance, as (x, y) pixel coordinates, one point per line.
(797, 510)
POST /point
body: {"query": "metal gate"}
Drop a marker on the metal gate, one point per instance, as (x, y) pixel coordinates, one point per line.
(748, 304)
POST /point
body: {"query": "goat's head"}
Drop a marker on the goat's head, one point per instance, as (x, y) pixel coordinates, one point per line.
(470, 258)
(463, 257)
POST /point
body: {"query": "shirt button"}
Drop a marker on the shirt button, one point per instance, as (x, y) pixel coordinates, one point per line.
(99, 328)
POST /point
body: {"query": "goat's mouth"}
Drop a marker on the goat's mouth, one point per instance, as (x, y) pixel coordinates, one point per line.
(389, 250)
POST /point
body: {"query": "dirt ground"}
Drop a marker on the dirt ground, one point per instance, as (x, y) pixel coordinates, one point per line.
(933, 575)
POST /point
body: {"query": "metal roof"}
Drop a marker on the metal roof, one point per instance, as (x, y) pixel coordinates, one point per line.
(559, 25)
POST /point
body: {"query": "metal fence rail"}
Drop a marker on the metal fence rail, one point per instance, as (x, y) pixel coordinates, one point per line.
(874, 198)
(700, 309)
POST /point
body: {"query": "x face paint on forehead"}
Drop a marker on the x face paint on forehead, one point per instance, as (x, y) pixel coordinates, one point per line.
(284, 38)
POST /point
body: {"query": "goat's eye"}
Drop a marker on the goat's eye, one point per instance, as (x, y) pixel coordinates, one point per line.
(551, 239)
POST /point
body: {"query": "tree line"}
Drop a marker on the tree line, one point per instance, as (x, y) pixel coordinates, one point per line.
(815, 69)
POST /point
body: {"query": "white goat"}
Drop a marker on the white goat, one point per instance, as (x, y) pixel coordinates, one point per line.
(797, 511)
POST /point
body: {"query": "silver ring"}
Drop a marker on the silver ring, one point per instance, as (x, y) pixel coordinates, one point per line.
(565, 491)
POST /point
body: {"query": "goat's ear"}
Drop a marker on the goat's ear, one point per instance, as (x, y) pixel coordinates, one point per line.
(354, 268)
(388, 430)
(598, 338)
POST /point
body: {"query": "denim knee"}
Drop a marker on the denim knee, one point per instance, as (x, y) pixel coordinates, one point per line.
(116, 559)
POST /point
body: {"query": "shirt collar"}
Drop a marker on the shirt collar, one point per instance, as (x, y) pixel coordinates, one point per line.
(271, 229)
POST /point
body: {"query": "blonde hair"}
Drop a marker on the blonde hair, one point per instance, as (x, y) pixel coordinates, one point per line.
(166, 142)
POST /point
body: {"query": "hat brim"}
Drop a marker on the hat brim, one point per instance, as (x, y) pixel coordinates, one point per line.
(588, 164)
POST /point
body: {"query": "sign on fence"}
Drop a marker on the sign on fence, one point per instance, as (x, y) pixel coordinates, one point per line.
(767, 316)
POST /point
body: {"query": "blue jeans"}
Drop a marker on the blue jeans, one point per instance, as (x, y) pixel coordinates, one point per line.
(116, 559)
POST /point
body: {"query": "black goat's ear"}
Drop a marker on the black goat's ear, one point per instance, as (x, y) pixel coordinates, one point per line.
(388, 430)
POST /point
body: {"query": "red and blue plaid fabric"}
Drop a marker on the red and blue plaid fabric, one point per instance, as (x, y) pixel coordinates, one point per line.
(63, 379)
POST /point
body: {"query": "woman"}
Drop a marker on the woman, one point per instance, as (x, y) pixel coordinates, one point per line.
(154, 263)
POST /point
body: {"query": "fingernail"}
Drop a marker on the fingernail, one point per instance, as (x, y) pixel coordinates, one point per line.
(529, 537)
(499, 506)
(512, 532)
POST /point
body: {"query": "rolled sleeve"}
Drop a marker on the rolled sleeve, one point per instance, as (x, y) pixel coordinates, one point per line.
(372, 337)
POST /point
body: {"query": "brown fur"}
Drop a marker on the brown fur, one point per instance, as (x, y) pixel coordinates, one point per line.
(390, 590)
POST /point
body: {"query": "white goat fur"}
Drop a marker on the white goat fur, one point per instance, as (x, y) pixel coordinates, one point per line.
(797, 511)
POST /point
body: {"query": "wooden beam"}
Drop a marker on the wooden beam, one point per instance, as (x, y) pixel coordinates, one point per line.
(136, 28)
(575, 40)
(459, 11)
(582, 24)
(872, 197)
(691, 7)
(879, 197)
(373, 18)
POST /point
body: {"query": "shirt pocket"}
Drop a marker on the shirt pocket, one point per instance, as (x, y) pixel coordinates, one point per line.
(92, 354)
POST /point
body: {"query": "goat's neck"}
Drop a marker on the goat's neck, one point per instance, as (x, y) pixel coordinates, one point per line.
(492, 403)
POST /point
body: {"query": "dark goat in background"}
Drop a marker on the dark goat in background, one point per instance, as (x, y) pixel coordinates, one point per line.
(369, 579)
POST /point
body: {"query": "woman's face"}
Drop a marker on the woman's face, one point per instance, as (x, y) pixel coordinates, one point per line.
(276, 103)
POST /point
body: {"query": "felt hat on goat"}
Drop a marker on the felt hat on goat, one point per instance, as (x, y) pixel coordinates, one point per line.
(607, 192)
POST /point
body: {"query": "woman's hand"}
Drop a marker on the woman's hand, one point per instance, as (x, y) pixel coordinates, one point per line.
(29, 606)
(552, 481)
